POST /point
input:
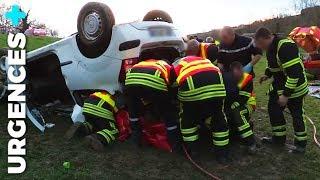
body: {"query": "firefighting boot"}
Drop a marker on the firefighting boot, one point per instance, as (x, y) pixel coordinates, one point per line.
(275, 141)
(73, 130)
(173, 138)
(93, 142)
(250, 145)
(296, 149)
(252, 149)
(192, 148)
(135, 137)
(223, 157)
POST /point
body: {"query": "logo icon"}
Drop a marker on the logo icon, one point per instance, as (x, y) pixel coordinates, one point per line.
(15, 15)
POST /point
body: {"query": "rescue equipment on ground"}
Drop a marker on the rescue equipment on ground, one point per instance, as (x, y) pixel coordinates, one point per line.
(155, 134)
(308, 38)
(123, 125)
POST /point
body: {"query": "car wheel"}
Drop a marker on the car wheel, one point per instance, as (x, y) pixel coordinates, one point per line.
(95, 22)
(158, 15)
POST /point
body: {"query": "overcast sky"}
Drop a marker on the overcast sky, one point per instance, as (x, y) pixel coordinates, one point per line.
(190, 16)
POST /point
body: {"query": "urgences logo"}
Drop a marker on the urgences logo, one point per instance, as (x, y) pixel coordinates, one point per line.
(16, 74)
(15, 15)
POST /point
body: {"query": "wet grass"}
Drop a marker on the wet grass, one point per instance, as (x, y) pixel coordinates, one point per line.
(47, 152)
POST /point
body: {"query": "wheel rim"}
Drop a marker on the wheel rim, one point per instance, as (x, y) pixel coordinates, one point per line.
(92, 26)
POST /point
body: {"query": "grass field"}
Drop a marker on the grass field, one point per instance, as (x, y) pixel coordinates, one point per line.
(47, 152)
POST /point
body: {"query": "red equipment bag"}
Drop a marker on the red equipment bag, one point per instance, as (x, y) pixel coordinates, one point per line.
(122, 120)
(155, 134)
(312, 64)
(307, 38)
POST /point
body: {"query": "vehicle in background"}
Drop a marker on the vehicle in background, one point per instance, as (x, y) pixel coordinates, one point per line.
(61, 75)
(36, 32)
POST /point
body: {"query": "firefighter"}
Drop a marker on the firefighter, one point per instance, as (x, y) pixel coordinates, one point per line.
(288, 88)
(239, 48)
(150, 81)
(99, 127)
(201, 92)
(240, 104)
(204, 50)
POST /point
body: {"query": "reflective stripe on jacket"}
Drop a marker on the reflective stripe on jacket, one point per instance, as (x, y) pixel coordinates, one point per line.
(287, 70)
(104, 108)
(151, 73)
(187, 70)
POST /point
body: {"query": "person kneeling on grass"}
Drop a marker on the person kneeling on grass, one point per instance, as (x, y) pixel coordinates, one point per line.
(240, 103)
(99, 127)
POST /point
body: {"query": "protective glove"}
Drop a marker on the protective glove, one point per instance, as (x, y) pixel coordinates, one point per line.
(248, 68)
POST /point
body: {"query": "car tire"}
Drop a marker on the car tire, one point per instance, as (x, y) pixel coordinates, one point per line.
(95, 22)
(158, 15)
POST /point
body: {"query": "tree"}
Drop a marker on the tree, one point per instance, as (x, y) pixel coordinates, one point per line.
(303, 4)
(54, 33)
(4, 23)
(25, 24)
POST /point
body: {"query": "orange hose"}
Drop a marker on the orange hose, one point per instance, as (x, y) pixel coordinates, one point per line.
(311, 122)
(198, 166)
(314, 131)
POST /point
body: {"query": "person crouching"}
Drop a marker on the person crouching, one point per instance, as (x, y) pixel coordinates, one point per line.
(99, 127)
(240, 104)
(149, 81)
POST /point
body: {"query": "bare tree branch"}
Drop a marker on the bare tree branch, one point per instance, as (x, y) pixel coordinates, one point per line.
(303, 4)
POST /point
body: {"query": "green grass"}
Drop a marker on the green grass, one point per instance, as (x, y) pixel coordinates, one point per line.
(32, 42)
(47, 152)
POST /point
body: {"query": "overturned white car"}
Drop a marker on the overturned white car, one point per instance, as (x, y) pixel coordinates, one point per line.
(62, 74)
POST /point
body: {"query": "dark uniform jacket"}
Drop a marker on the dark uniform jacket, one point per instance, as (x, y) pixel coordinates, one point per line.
(286, 68)
(241, 51)
(239, 92)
